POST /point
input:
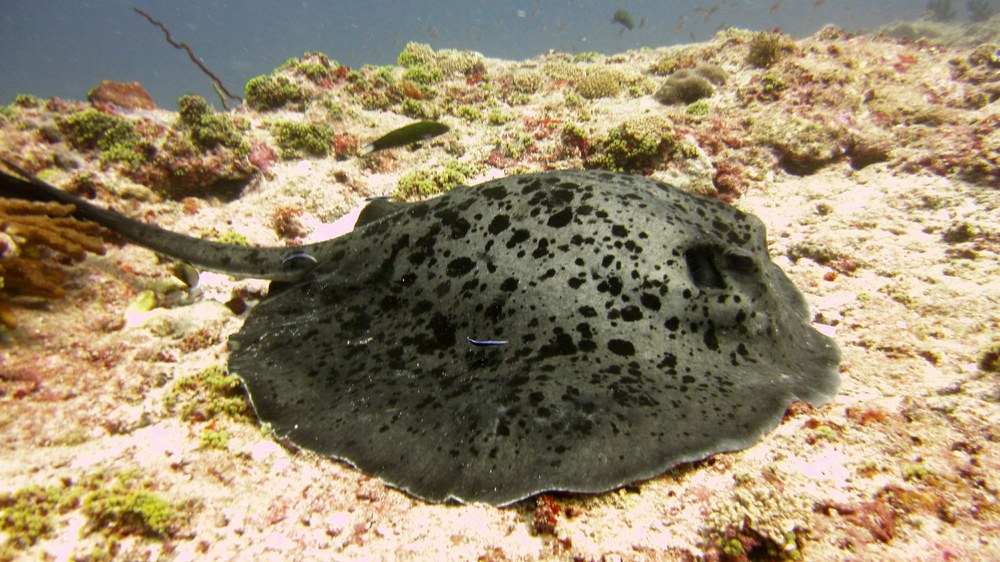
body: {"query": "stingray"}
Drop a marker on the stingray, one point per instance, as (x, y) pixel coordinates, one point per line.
(566, 330)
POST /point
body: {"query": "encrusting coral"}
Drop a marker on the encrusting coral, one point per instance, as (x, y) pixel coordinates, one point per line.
(30, 233)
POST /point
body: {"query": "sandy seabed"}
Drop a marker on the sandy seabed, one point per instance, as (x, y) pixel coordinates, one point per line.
(898, 262)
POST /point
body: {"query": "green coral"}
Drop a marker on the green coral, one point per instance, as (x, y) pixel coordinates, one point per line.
(424, 183)
(497, 117)
(767, 48)
(28, 101)
(772, 84)
(418, 110)
(123, 507)
(207, 394)
(314, 66)
(825, 432)
(469, 112)
(114, 504)
(599, 82)
(916, 472)
(514, 147)
(115, 137)
(635, 145)
(382, 76)
(295, 139)
(466, 63)
(587, 56)
(214, 439)
(526, 81)
(415, 54)
(209, 129)
(423, 74)
(698, 108)
(334, 111)
(271, 92)
(229, 236)
(28, 513)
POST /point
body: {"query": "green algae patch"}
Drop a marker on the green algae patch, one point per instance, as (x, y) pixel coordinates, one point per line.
(297, 139)
(207, 394)
(29, 513)
(214, 439)
(415, 54)
(424, 183)
(230, 237)
(316, 67)
(423, 74)
(266, 92)
(122, 506)
(209, 129)
(115, 504)
(636, 145)
(116, 138)
(767, 48)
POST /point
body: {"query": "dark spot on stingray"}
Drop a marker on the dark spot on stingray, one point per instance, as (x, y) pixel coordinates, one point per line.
(631, 313)
(520, 235)
(364, 355)
(509, 285)
(561, 219)
(650, 301)
(460, 266)
(498, 224)
(621, 347)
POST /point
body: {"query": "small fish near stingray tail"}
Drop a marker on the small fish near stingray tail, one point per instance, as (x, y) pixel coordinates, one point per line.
(414, 132)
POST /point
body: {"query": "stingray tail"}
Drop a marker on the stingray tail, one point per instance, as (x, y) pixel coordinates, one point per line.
(266, 263)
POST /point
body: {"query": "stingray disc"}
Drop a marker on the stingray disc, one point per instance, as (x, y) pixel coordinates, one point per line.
(556, 331)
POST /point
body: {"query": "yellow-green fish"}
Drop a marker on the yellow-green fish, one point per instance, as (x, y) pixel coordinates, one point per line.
(414, 132)
(624, 18)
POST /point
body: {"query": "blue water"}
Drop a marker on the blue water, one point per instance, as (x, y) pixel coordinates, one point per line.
(64, 47)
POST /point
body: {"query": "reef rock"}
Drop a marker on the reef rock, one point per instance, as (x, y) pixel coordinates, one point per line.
(126, 95)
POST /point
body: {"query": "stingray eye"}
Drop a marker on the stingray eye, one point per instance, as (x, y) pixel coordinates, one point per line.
(701, 263)
(738, 263)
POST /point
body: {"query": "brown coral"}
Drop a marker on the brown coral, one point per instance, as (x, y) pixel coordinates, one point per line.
(32, 232)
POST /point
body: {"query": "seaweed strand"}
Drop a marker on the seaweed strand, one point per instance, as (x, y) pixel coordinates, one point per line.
(219, 86)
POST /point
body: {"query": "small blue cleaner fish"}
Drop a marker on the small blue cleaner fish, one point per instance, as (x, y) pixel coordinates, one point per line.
(486, 342)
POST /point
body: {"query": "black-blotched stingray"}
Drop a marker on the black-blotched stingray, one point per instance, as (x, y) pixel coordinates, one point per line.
(565, 330)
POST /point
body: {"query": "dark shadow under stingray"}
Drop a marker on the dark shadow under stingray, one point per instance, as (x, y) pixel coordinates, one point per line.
(634, 327)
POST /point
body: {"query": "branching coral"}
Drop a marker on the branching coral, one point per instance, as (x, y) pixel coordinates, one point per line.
(30, 233)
